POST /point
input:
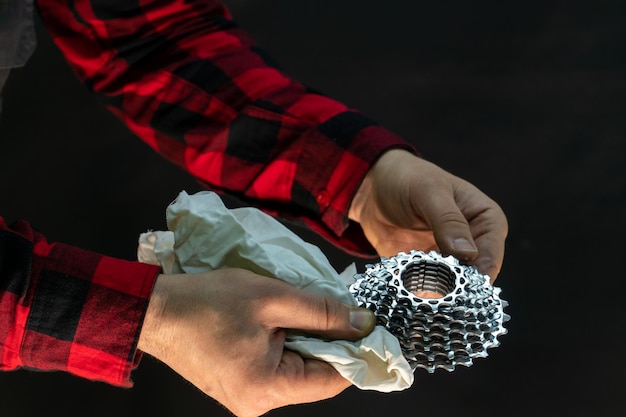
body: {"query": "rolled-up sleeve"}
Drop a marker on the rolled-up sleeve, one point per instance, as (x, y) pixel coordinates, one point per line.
(67, 309)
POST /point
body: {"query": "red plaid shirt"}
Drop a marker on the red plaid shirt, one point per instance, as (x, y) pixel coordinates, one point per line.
(191, 84)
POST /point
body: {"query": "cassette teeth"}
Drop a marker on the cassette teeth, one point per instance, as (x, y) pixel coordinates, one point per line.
(460, 324)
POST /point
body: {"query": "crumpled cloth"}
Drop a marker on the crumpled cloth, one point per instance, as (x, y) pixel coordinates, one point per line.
(204, 235)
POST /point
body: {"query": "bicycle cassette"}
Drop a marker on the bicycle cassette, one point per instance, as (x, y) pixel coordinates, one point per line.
(442, 312)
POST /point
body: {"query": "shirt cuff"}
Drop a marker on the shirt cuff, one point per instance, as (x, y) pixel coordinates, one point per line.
(86, 314)
(352, 144)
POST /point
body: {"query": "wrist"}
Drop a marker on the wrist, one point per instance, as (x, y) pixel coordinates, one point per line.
(362, 195)
(148, 337)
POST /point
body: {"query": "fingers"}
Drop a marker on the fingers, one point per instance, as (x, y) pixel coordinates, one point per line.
(299, 310)
(450, 227)
(296, 381)
(471, 227)
(490, 264)
(310, 379)
(465, 222)
(490, 229)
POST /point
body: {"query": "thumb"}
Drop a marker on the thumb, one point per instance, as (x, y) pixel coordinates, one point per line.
(450, 227)
(322, 316)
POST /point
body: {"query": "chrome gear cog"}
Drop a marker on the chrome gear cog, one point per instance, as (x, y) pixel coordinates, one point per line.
(443, 313)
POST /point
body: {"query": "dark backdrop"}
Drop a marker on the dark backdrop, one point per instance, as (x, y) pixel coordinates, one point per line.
(526, 99)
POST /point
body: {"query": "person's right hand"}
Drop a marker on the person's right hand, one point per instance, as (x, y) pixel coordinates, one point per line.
(224, 332)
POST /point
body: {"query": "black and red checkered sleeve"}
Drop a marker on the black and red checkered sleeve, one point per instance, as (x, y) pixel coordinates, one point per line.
(190, 83)
(67, 309)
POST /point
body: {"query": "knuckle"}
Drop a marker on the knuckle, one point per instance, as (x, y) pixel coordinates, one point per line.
(452, 217)
(326, 314)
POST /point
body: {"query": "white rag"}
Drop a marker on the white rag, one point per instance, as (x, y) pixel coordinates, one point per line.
(204, 235)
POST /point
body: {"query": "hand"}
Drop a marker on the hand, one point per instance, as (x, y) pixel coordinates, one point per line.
(223, 332)
(406, 203)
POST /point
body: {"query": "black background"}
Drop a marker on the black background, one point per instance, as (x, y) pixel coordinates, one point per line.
(525, 99)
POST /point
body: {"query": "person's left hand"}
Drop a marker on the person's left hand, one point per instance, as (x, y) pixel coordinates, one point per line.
(406, 203)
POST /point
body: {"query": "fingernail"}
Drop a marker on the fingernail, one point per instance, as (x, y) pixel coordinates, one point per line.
(463, 245)
(361, 319)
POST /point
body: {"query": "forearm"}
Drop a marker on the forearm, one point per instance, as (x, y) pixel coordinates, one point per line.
(66, 309)
(194, 87)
